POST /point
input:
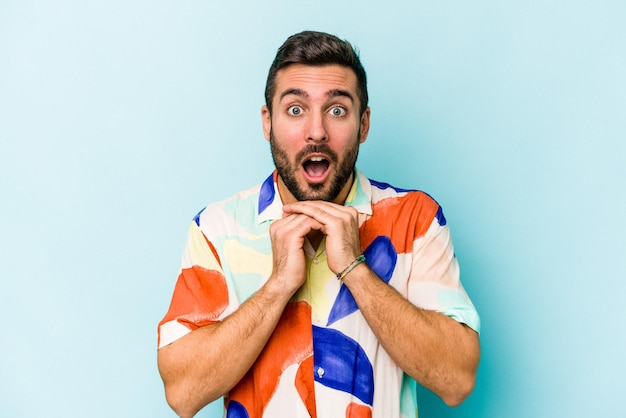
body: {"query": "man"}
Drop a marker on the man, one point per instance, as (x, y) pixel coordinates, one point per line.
(319, 293)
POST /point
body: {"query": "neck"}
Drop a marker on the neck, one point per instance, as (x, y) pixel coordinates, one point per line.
(343, 195)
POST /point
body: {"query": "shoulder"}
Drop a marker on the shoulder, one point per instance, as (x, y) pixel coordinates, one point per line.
(404, 202)
(243, 203)
(381, 190)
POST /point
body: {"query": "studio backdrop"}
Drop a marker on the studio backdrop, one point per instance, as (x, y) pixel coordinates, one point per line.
(119, 121)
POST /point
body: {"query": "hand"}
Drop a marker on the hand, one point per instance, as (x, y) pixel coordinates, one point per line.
(287, 235)
(340, 225)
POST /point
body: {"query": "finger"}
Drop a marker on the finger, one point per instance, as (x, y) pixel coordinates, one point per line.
(296, 220)
(324, 212)
(295, 225)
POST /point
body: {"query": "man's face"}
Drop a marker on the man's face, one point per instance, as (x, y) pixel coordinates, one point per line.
(314, 131)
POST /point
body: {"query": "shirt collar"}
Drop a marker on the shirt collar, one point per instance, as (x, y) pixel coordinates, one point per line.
(270, 206)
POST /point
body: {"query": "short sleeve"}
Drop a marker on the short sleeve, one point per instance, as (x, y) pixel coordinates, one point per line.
(200, 295)
(434, 282)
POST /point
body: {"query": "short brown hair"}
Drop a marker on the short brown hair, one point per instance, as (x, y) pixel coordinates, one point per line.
(317, 49)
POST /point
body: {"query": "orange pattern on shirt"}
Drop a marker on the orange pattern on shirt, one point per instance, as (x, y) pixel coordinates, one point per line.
(200, 297)
(355, 410)
(291, 343)
(385, 220)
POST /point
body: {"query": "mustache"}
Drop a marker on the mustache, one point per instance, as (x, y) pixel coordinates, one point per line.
(317, 148)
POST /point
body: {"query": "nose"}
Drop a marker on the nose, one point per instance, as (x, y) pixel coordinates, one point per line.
(316, 127)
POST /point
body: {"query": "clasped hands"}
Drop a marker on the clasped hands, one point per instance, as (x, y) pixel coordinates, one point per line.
(339, 223)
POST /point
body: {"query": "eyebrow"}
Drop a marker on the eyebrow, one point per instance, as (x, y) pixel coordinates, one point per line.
(295, 92)
(329, 94)
(340, 93)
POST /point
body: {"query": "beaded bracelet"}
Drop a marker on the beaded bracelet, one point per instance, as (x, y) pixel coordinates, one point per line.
(351, 266)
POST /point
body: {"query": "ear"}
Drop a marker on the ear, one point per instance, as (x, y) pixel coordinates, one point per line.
(266, 118)
(365, 125)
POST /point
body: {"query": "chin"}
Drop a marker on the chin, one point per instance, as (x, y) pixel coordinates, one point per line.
(314, 192)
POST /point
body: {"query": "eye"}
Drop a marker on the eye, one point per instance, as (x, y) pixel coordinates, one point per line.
(338, 111)
(294, 110)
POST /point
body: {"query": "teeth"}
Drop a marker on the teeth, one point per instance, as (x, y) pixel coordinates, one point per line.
(316, 159)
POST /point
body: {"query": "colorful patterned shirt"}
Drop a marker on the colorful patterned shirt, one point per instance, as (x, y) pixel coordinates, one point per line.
(322, 360)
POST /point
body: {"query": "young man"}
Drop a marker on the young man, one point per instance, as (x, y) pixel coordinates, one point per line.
(318, 293)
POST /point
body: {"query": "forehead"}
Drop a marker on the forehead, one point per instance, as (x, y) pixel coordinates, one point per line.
(315, 80)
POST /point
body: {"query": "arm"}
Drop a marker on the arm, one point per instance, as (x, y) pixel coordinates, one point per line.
(202, 366)
(435, 350)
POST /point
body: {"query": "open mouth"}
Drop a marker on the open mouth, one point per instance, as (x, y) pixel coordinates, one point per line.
(316, 168)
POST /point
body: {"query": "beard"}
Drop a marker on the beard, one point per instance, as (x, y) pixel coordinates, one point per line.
(328, 190)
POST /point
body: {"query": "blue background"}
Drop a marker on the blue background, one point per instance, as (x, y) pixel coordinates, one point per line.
(120, 120)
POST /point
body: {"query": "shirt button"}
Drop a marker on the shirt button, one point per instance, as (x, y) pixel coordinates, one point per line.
(316, 261)
(320, 372)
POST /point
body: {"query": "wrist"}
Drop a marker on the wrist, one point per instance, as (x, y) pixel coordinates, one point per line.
(281, 287)
(357, 275)
(351, 266)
